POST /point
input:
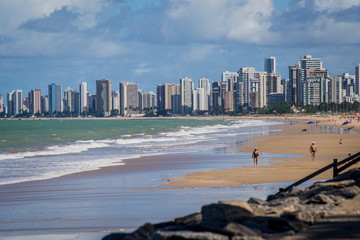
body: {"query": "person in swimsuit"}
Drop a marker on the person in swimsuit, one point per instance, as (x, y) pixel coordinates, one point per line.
(255, 155)
(313, 149)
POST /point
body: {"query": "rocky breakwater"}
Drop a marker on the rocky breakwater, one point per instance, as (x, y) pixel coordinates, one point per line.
(281, 216)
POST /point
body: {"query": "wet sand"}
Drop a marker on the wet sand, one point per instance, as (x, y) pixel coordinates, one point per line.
(291, 139)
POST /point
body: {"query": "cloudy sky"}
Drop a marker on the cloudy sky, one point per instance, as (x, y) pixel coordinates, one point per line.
(157, 41)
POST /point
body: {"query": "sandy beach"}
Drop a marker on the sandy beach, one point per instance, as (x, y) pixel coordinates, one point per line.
(290, 139)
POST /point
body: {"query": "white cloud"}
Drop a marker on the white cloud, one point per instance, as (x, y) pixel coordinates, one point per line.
(198, 52)
(334, 5)
(214, 20)
(16, 12)
(142, 69)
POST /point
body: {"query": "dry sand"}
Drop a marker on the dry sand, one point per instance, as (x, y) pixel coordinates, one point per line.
(290, 140)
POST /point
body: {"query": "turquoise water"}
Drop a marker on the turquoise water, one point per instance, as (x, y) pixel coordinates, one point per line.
(43, 149)
(35, 134)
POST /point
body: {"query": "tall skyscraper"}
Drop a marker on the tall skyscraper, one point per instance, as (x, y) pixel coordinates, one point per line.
(35, 101)
(146, 101)
(199, 100)
(103, 97)
(83, 97)
(116, 101)
(294, 83)
(204, 83)
(186, 90)
(45, 104)
(129, 101)
(246, 77)
(10, 104)
(309, 62)
(71, 101)
(227, 93)
(216, 99)
(168, 98)
(55, 100)
(15, 102)
(357, 79)
(1, 103)
(270, 65)
(229, 75)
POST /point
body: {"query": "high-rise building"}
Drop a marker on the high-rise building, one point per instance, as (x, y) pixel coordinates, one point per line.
(83, 97)
(216, 99)
(229, 75)
(169, 98)
(1, 103)
(15, 102)
(55, 101)
(146, 101)
(204, 83)
(116, 102)
(71, 101)
(129, 101)
(246, 77)
(303, 71)
(294, 83)
(227, 93)
(35, 101)
(45, 104)
(357, 79)
(309, 62)
(335, 89)
(200, 100)
(186, 90)
(103, 97)
(270, 65)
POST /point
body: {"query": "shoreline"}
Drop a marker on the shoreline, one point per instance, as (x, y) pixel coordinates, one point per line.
(289, 140)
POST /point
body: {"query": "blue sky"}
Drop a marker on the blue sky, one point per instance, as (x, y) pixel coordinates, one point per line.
(157, 41)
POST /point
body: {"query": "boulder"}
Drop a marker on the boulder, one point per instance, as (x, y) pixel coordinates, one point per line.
(238, 204)
(320, 199)
(218, 215)
(257, 201)
(191, 219)
(235, 229)
(184, 235)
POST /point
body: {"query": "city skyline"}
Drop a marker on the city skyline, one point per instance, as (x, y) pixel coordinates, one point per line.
(160, 41)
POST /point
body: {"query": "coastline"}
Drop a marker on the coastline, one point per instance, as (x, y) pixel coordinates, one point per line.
(290, 139)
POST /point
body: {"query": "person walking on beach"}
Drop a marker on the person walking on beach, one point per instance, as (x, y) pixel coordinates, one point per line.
(313, 149)
(255, 155)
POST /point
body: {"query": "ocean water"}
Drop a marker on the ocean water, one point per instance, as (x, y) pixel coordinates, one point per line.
(43, 149)
(86, 206)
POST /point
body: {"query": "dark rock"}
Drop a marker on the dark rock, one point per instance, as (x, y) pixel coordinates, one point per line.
(115, 236)
(257, 201)
(247, 238)
(335, 184)
(184, 235)
(145, 232)
(269, 224)
(347, 192)
(191, 219)
(218, 215)
(352, 174)
(284, 201)
(308, 217)
(278, 236)
(235, 229)
(320, 199)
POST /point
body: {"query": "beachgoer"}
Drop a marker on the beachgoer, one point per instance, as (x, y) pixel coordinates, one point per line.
(340, 142)
(255, 155)
(313, 149)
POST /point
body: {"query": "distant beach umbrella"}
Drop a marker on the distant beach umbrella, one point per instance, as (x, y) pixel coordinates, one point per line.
(311, 122)
(344, 123)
